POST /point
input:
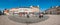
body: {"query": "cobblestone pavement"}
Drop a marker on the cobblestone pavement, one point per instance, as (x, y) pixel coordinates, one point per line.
(24, 19)
(46, 20)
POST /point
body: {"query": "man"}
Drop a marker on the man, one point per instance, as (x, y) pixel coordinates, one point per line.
(27, 16)
(40, 15)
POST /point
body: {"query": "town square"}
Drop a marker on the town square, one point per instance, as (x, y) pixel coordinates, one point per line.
(29, 12)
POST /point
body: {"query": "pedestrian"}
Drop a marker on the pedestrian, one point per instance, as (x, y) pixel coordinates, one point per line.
(40, 15)
(27, 16)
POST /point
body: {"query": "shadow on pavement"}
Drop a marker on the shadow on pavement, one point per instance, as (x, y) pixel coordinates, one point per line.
(28, 20)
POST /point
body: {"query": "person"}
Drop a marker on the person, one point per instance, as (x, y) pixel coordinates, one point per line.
(40, 15)
(20, 14)
(27, 16)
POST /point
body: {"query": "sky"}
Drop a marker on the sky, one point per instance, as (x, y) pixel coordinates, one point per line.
(43, 4)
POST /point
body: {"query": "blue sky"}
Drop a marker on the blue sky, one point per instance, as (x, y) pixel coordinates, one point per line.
(44, 4)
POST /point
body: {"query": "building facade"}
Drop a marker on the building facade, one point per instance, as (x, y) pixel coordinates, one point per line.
(31, 9)
(54, 10)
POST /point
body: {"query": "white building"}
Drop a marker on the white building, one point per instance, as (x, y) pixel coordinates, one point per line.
(26, 9)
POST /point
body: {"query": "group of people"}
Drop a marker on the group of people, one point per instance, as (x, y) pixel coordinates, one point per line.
(25, 15)
(30, 15)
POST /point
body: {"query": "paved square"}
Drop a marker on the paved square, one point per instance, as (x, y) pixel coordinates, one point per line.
(52, 20)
